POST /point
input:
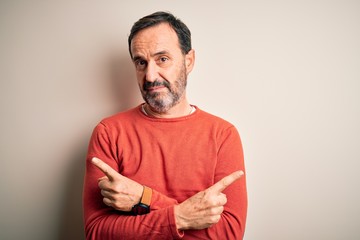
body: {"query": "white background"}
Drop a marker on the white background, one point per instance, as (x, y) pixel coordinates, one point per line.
(286, 73)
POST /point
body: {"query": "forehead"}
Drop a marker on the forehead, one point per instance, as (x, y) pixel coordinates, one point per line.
(160, 37)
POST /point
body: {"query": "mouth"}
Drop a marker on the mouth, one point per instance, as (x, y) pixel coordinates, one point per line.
(156, 88)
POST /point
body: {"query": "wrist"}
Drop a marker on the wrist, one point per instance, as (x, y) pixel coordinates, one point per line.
(143, 205)
(180, 225)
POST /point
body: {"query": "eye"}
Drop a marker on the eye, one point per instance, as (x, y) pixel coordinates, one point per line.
(140, 64)
(163, 59)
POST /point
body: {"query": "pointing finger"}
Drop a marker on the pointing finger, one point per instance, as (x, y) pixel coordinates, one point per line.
(106, 169)
(226, 181)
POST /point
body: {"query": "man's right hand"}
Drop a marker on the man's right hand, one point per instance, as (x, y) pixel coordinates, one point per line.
(118, 191)
(204, 208)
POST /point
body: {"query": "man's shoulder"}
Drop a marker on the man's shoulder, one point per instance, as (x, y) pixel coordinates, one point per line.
(128, 115)
(215, 120)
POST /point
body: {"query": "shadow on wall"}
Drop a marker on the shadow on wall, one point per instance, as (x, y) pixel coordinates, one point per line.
(71, 223)
(124, 85)
(124, 88)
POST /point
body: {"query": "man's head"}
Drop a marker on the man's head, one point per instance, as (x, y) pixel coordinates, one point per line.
(182, 31)
(162, 59)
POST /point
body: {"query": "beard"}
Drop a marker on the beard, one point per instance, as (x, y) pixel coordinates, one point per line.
(161, 102)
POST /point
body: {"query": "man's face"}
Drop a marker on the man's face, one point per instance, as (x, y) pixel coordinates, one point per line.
(161, 67)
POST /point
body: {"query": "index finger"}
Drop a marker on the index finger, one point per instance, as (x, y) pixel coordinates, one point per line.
(106, 169)
(226, 181)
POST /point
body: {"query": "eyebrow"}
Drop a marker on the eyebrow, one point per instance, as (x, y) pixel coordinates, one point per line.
(135, 58)
(160, 53)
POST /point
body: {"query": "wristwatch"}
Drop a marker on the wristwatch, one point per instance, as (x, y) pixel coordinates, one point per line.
(143, 207)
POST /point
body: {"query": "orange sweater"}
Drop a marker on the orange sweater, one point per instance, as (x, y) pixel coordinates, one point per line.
(177, 158)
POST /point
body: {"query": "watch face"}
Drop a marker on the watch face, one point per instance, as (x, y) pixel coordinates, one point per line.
(140, 209)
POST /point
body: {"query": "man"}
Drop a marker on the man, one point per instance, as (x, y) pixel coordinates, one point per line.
(165, 169)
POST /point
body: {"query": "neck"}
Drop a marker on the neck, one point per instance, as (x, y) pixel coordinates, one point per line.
(181, 109)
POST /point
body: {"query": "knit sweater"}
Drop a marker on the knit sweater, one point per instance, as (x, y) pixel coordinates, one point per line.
(176, 157)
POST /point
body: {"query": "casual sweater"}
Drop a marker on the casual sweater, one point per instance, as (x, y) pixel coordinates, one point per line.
(177, 158)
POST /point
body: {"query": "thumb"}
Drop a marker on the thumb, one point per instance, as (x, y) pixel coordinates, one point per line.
(103, 178)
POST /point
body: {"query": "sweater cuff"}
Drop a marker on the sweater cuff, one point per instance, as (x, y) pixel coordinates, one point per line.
(177, 234)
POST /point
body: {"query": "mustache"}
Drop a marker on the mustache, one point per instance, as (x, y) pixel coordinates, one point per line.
(156, 83)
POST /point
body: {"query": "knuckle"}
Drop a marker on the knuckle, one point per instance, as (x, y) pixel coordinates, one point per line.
(225, 182)
(212, 211)
(212, 201)
(116, 206)
(204, 194)
(103, 184)
(220, 209)
(107, 201)
(216, 210)
(222, 199)
(215, 219)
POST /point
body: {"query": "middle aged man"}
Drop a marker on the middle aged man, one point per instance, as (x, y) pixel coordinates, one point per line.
(171, 170)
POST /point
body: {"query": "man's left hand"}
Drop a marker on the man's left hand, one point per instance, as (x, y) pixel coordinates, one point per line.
(118, 191)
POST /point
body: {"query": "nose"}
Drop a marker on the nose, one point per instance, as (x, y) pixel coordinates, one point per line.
(152, 72)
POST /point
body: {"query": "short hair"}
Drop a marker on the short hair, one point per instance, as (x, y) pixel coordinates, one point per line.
(182, 31)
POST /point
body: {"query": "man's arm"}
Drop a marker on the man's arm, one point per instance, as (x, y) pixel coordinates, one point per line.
(233, 219)
(103, 222)
(197, 212)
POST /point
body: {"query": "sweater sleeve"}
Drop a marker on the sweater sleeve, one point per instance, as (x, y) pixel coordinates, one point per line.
(103, 222)
(230, 158)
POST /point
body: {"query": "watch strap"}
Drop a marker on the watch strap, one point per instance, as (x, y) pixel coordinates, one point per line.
(146, 196)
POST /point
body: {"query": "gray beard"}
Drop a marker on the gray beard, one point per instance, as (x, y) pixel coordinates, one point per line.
(162, 102)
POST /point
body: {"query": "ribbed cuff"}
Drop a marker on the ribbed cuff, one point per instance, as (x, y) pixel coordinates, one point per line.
(177, 234)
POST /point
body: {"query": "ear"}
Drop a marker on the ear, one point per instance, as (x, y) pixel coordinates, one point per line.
(190, 61)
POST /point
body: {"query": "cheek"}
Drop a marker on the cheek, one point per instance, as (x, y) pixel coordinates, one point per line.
(169, 74)
(140, 77)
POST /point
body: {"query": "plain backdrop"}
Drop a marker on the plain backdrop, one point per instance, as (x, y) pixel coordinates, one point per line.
(286, 73)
